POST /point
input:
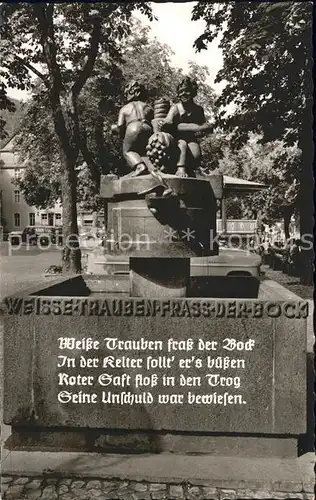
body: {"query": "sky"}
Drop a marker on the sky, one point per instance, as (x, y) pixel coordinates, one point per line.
(175, 28)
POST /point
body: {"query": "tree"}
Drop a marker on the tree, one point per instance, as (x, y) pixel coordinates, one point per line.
(268, 74)
(143, 58)
(37, 144)
(98, 106)
(60, 44)
(150, 61)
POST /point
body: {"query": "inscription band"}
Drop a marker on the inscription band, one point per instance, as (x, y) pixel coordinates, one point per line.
(179, 308)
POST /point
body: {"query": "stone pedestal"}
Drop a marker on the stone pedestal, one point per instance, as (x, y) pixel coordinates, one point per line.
(142, 222)
(159, 278)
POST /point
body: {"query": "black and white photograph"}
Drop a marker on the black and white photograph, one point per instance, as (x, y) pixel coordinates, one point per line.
(157, 250)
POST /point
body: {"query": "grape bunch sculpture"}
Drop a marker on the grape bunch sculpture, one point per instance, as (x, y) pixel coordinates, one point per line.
(161, 145)
(159, 150)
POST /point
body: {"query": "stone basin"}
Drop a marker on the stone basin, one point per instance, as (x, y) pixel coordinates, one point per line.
(268, 405)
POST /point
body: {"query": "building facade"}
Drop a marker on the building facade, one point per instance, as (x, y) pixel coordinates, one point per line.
(16, 214)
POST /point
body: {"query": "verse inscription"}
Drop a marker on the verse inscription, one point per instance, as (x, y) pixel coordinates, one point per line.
(148, 366)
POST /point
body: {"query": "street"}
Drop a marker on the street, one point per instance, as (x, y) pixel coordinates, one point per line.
(24, 267)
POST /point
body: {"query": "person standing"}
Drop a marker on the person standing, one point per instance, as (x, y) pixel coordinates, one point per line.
(294, 258)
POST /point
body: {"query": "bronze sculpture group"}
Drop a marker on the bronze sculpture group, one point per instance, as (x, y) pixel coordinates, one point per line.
(161, 139)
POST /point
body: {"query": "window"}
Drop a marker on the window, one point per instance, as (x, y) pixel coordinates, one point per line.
(16, 219)
(50, 219)
(17, 173)
(17, 196)
(88, 222)
(32, 219)
(44, 219)
(58, 220)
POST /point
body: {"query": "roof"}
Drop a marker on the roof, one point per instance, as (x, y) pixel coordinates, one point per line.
(9, 157)
(9, 160)
(8, 146)
(237, 184)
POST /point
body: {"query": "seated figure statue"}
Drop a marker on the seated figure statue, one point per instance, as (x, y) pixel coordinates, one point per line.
(183, 121)
(134, 127)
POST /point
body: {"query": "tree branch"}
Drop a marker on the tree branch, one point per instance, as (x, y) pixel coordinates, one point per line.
(92, 55)
(44, 15)
(32, 68)
(87, 155)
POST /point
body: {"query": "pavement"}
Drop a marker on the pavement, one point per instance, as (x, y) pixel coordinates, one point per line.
(23, 268)
(70, 476)
(88, 476)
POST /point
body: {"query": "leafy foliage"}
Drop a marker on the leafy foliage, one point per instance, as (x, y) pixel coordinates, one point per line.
(7, 107)
(273, 164)
(267, 70)
(70, 32)
(40, 183)
(142, 58)
(149, 61)
(267, 65)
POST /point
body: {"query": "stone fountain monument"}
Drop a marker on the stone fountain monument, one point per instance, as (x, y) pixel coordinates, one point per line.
(145, 359)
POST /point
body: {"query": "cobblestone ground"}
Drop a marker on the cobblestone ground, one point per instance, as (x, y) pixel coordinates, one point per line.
(30, 488)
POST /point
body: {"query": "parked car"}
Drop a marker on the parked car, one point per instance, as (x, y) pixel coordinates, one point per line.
(15, 238)
(37, 235)
(57, 235)
(229, 262)
(29, 235)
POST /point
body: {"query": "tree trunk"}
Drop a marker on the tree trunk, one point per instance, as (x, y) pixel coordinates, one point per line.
(286, 221)
(305, 143)
(71, 250)
(66, 123)
(69, 148)
(306, 232)
(306, 212)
